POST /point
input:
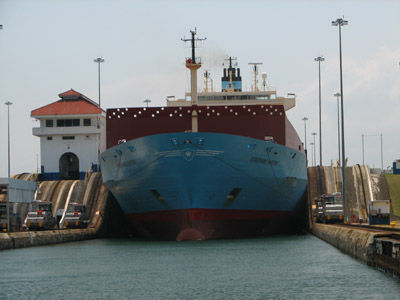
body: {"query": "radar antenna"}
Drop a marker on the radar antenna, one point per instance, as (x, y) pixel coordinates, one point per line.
(264, 78)
(255, 71)
(207, 77)
(193, 41)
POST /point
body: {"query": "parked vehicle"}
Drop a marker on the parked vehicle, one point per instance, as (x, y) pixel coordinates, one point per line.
(15, 219)
(379, 212)
(3, 216)
(329, 208)
(75, 216)
(40, 216)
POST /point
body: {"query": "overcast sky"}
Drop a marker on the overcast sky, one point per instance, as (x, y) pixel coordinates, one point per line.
(48, 47)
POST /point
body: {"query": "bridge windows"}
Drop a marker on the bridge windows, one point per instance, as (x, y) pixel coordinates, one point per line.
(68, 137)
(68, 122)
(87, 122)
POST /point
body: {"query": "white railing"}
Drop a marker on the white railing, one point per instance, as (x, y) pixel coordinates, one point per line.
(38, 131)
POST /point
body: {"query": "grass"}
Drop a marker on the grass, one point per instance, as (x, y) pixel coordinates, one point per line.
(394, 190)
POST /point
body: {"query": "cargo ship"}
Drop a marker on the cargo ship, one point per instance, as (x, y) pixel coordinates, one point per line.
(214, 165)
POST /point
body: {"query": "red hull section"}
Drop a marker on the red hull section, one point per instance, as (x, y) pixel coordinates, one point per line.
(202, 224)
(255, 121)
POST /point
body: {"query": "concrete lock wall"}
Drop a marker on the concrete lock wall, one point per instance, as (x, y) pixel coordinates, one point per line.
(105, 216)
(361, 187)
(357, 243)
(38, 238)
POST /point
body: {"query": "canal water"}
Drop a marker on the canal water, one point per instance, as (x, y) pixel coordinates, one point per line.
(284, 267)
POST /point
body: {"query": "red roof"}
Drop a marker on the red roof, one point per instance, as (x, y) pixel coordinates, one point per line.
(71, 103)
(70, 93)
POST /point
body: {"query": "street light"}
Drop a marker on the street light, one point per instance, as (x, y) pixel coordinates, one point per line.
(340, 22)
(8, 103)
(305, 119)
(319, 59)
(99, 61)
(315, 161)
(147, 101)
(337, 95)
(381, 147)
(312, 153)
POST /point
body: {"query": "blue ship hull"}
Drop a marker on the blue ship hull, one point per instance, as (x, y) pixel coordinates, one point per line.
(189, 186)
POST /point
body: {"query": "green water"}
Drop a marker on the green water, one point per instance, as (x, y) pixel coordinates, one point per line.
(285, 267)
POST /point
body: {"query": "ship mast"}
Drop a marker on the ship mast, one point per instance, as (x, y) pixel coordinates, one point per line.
(255, 70)
(193, 64)
(207, 77)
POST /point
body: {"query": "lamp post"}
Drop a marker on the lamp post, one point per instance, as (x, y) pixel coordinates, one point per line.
(381, 147)
(99, 61)
(315, 161)
(312, 153)
(337, 95)
(147, 101)
(341, 22)
(319, 59)
(305, 119)
(8, 103)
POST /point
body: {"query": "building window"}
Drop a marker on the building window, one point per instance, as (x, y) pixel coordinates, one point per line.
(68, 122)
(68, 137)
(49, 138)
(87, 122)
(49, 123)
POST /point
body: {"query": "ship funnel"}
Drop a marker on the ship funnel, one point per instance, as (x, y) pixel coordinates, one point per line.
(231, 81)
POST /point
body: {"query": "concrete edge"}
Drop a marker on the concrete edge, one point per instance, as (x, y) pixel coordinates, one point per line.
(357, 243)
(25, 239)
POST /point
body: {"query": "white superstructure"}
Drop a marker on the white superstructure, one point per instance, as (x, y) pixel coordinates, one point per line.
(72, 134)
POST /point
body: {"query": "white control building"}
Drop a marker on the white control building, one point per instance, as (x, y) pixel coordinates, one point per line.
(72, 134)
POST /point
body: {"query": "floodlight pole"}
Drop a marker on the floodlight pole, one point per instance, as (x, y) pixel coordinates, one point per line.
(319, 59)
(8, 103)
(99, 61)
(337, 95)
(305, 119)
(147, 101)
(381, 147)
(340, 22)
(315, 161)
(312, 153)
